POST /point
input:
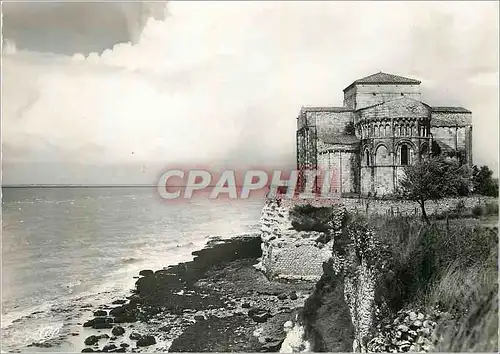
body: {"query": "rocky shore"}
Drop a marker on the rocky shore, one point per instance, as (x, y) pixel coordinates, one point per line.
(217, 302)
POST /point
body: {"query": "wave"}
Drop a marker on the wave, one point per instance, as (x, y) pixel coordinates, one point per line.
(114, 285)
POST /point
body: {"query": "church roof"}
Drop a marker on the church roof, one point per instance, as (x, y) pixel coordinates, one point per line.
(381, 78)
(450, 110)
(343, 139)
(393, 109)
(444, 148)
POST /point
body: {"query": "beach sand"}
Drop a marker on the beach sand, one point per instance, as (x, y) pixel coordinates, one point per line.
(217, 302)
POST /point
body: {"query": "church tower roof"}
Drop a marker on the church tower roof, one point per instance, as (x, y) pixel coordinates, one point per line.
(381, 78)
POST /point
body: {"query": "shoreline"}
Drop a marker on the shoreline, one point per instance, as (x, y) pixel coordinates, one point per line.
(216, 302)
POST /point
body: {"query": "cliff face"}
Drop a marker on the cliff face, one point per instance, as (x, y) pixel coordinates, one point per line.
(298, 243)
(288, 253)
(358, 259)
(396, 285)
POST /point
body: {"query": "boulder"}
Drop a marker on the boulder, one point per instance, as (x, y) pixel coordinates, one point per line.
(124, 345)
(135, 299)
(128, 318)
(245, 305)
(272, 345)
(120, 310)
(40, 344)
(145, 341)
(282, 296)
(293, 295)
(118, 331)
(119, 302)
(146, 272)
(135, 336)
(87, 350)
(100, 313)
(102, 325)
(259, 315)
(403, 328)
(417, 324)
(109, 347)
(91, 340)
(97, 320)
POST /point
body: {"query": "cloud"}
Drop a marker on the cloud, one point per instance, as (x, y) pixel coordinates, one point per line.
(222, 82)
(66, 27)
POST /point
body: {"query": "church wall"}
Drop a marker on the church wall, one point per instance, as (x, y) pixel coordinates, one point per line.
(461, 134)
(399, 174)
(350, 98)
(366, 180)
(468, 144)
(343, 161)
(447, 135)
(402, 120)
(383, 180)
(362, 96)
(330, 122)
(348, 160)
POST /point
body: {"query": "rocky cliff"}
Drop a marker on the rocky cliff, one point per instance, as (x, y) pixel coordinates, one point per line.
(288, 253)
(357, 305)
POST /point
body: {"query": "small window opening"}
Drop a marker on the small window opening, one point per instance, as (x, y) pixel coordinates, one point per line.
(404, 155)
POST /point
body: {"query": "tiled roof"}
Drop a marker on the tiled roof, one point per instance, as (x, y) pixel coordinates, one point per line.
(326, 109)
(445, 148)
(344, 139)
(450, 110)
(384, 79)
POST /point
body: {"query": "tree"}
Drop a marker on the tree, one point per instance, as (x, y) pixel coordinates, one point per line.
(349, 128)
(433, 179)
(482, 181)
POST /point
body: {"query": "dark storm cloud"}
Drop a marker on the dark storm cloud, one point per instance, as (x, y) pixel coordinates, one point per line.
(76, 27)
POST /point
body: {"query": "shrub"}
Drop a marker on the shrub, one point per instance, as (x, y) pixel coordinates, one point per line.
(460, 207)
(309, 218)
(420, 254)
(477, 210)
(433, 179)
(491, 209)
(483, 181)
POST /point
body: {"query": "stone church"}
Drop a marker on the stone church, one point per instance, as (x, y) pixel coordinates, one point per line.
(382, 126)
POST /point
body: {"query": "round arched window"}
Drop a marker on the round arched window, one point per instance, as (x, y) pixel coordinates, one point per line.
(405, 155)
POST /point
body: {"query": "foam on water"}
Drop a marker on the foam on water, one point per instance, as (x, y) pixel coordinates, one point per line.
(66, 259)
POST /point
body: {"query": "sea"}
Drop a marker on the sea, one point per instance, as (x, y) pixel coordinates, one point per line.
(68, 250)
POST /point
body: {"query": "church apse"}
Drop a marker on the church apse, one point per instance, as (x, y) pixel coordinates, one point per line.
(383, 127)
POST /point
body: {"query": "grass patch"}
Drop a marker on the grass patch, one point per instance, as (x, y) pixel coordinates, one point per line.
(449, 265)
(310, 218)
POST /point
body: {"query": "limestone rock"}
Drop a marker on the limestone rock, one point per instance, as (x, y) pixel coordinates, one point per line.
(91, 340)
(146, 341)
(118, 331)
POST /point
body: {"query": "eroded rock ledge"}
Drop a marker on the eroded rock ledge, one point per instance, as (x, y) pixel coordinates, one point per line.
(348, 310)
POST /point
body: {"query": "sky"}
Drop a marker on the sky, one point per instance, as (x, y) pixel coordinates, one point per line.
(115, 93)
